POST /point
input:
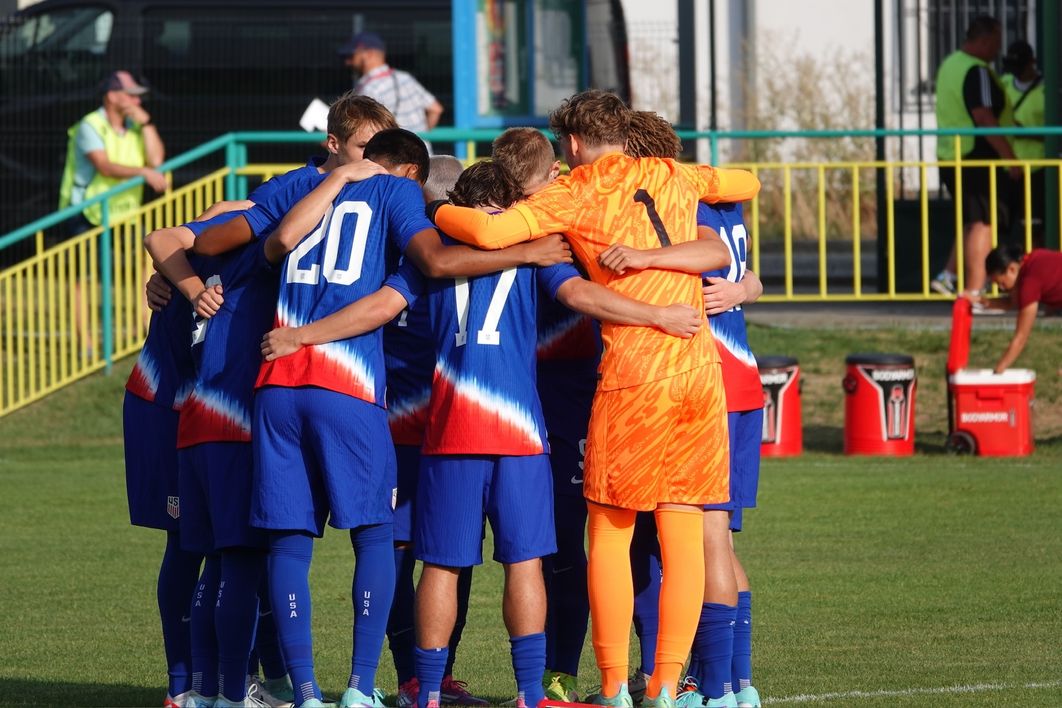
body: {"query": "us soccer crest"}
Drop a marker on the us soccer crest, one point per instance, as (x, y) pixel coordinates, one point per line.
(173, 507)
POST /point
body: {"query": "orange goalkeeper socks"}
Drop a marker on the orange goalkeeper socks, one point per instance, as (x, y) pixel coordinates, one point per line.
(681, 593)
(611, 591)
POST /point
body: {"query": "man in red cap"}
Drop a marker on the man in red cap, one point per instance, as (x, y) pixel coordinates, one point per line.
(111, 144)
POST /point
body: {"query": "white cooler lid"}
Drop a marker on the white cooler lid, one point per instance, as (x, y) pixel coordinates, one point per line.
(990, 378)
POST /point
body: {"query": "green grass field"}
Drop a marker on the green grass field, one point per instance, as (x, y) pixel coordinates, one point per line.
(931, 580)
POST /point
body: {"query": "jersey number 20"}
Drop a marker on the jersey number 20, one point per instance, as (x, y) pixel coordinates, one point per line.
(330, 230)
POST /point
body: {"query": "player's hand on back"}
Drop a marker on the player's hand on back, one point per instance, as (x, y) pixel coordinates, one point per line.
(360, 170)
(619, 259)
(721, 295)
(158, 292)
(679, 320)
(207, 303)
(547, 251)
(282, 341)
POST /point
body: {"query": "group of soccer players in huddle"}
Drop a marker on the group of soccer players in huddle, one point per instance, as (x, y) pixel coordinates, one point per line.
(528, 349)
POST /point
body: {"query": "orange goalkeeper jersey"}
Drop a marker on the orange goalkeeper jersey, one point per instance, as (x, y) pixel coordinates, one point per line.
(642, 203)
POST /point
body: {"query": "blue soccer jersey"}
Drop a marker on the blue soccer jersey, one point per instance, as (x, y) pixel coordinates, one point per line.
(226, 348)
(483, 397)
(741, 377)
(341, 261)
(566, 335)
(163, 373)
(409, 357)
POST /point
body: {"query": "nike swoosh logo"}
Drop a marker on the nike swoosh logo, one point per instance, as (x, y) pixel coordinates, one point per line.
(577, 480)
(186, 619)
(561, 570)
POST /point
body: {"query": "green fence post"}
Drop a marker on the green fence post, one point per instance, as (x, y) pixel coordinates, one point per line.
(232, 162)
(107, 287)
(713, 146)
(241, 161)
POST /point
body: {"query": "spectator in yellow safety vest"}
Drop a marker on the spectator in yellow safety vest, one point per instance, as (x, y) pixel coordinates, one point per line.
(111, 144)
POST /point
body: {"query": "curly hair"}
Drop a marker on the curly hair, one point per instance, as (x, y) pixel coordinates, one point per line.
(652, 136)
(597, 117)
(486, 183)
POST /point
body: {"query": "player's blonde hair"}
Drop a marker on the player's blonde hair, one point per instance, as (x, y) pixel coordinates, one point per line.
(597, 117)
(445, 169)
(652, 136)
(351, 111)
(486, 183)
(526, 153)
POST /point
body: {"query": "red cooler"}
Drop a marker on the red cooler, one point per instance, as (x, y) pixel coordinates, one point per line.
(879, 404)
(988, 413)
(783, 434)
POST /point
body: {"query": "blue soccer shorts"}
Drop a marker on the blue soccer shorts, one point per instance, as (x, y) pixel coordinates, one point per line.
(456, 492)
(151, 463)
(746, 433)
(408, 459)
(566, 390)
(215, 484)
(320, 456)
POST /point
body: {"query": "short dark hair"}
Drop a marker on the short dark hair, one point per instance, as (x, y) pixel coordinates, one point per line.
(982, 26)
(396, 146)
(1000, 257)
(486, 183)
(525, 152)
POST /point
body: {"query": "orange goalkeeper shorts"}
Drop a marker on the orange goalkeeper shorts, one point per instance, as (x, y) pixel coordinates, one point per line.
(660, 442)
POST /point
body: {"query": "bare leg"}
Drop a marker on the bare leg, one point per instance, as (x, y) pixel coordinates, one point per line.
(436, 606)
(977, 242)
(524, 601)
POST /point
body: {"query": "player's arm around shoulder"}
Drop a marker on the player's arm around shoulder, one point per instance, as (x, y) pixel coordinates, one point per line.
(720, 184)
(167, 249)
(307, 213)
(603, 304)
(706, 252)
(438, 260)
(370, 312)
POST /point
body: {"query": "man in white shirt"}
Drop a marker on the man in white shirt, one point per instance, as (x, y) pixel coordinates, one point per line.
(412, 105)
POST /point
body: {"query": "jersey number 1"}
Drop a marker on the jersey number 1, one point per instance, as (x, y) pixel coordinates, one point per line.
(489, 334)
(643, 197)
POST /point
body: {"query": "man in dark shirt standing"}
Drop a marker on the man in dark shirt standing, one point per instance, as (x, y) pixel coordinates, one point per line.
(1030, 280)
(970, 95)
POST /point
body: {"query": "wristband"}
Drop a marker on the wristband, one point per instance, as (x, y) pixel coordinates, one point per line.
(432, 207)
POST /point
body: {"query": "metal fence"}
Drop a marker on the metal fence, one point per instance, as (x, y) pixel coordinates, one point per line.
(74, 308)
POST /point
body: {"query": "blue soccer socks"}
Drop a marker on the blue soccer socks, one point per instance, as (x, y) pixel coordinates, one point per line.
(266, 643)
(400, 632)
(203, 635)
(431, 667)
(290, 554)
(529, 664)
(742, 662)
(372, 589)
(713, 648)
(236, 617)
(178, 574)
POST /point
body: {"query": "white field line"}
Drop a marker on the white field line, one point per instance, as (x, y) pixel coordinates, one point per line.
(885, 693)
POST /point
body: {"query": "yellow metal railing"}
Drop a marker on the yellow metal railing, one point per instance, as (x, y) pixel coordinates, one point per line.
(53, 321)
(778, 179)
